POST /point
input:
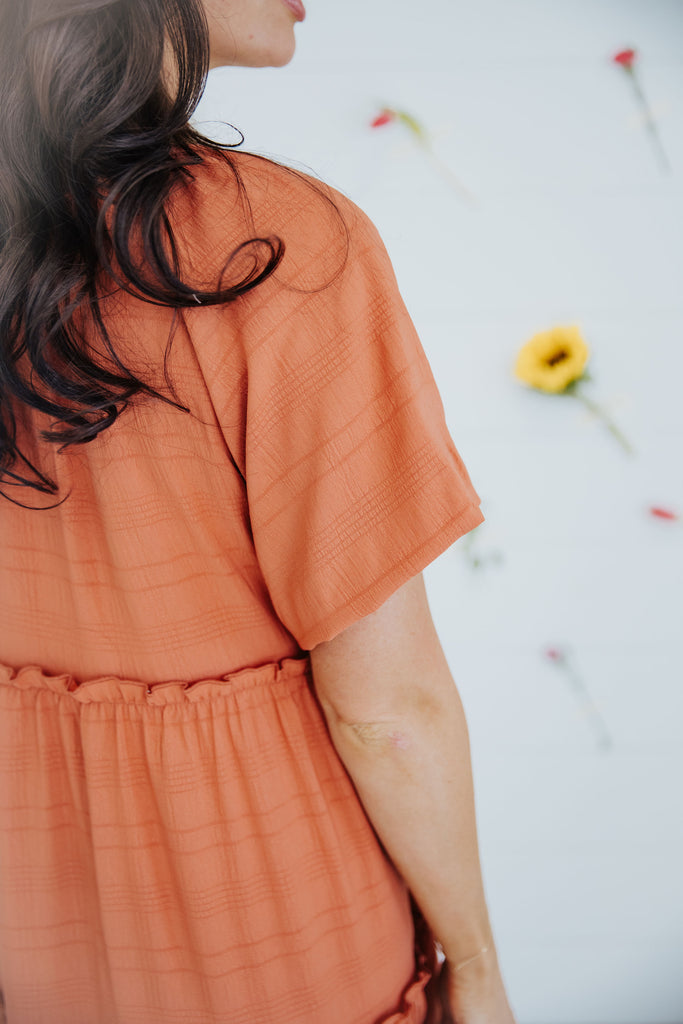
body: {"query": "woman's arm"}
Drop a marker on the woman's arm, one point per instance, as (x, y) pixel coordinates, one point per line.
(397, 722)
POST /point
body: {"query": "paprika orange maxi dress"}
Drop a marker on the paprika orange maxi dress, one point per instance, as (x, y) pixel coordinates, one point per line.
(179, 841)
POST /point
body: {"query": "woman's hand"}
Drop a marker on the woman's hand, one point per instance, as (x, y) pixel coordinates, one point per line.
(473, 999)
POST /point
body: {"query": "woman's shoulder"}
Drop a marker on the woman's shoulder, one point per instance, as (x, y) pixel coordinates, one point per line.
(270, 183)
(238, 191)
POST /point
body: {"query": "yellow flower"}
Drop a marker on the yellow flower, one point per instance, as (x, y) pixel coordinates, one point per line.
(552, 359)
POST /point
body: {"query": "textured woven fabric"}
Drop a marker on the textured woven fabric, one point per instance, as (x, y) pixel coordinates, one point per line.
(179, 841)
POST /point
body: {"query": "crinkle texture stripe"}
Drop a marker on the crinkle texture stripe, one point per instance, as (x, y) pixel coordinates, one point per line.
(196, 854)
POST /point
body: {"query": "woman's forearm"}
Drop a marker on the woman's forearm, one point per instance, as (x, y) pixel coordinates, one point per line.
(412, 771)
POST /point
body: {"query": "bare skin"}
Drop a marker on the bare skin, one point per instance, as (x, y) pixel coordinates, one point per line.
(243, 33)
(250, 33)
(403, 738)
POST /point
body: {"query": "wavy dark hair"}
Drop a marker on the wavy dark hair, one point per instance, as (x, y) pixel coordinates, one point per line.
(87, 119)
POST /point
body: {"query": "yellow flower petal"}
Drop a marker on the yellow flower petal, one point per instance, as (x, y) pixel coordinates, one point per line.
(552, 359)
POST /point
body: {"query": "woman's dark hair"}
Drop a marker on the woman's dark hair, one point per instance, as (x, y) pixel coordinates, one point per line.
(87, 119)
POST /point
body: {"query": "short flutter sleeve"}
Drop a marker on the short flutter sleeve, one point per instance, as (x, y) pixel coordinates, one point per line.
(354, 484)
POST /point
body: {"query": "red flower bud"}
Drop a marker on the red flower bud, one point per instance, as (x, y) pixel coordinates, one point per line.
(625, 58)
(385, 117)
(663, 513)
(554, 654)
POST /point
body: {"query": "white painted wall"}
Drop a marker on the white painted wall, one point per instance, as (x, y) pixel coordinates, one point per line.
(575, 223)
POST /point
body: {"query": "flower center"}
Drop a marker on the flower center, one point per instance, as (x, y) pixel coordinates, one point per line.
(558, 357)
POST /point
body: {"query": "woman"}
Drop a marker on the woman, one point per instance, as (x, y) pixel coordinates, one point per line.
(234, 761)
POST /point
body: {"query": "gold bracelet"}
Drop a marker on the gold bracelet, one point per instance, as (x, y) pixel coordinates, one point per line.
(469, 959)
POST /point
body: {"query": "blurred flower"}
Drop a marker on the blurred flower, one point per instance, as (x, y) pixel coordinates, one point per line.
(392, 115)
(388, 115)
(554, 361)
(470, 548)
(385, 117)
(662, 513)
(626, 59)
(562, 659)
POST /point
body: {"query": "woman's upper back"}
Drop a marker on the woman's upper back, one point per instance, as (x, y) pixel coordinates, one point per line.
(312, 477)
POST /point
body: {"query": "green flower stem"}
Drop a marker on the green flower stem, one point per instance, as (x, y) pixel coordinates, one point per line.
(467, 544)
(412, 124)
(475, 560)
(448, 174)
(611, 426)
(421, 136)
(604, 738)
(649, 120)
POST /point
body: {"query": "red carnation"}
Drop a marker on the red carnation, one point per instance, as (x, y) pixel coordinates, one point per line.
(385, 117)
(663, 513)
(562, 660)
(625, 58)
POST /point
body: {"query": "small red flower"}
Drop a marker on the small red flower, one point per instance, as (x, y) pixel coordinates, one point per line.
(385, 117)
(663, 513)
(554, 654)
(625, 58)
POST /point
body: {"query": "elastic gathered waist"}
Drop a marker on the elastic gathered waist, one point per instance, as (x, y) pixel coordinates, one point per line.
(284, 675)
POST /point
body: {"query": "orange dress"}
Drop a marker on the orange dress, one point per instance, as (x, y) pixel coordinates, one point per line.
(179, 841)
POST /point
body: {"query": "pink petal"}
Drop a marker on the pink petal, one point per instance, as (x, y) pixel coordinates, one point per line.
(663, 513)
(384, 118)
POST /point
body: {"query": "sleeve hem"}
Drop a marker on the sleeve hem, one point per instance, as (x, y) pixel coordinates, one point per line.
(374, 596)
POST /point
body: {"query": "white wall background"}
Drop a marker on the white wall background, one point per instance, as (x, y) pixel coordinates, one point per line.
(575, 222)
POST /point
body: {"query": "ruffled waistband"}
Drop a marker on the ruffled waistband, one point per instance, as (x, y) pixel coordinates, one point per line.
(282, 676)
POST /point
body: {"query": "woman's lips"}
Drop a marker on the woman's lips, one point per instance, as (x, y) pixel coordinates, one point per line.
(297, 9)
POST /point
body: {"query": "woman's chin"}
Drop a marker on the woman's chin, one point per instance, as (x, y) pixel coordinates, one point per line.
(281, 61)
(275, 56)
(278, 56)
